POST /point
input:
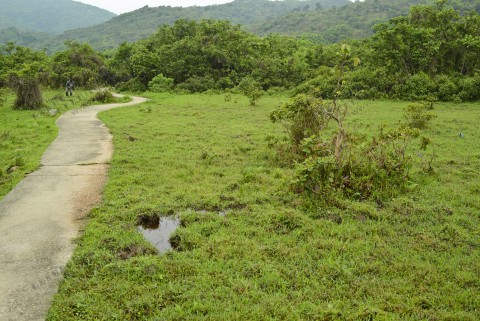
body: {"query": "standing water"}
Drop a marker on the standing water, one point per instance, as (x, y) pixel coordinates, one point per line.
(158, 232)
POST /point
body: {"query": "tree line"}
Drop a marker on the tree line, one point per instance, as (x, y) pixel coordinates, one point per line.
(431, 53)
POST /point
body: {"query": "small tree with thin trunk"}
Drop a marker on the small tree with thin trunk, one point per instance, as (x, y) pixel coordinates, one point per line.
(25, 82)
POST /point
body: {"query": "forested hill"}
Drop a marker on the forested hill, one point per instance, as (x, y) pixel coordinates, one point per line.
(353, 21)
(325, 21)
(50, 16)
(142, 23)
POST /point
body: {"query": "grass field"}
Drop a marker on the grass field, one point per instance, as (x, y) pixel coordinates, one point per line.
(25, 134)
(414, 257)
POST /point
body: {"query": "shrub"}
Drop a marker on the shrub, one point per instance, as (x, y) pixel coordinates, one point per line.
(133, 84)
(302, 117)
(160, 84)
(417, 87)
(321, 86)
(416, 115)
(28, 93)
(377, 168)
(197, 84)
(251, 88)
(103, 96)
(446, 88)
(469, 88)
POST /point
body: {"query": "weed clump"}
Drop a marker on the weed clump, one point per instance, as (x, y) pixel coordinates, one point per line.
(103, 96)
(331, 159)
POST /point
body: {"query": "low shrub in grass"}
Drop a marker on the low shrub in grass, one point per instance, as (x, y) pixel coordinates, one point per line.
(332, 159)
(160, 83)
(103, 96)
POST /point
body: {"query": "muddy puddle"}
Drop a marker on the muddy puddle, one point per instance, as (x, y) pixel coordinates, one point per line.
(158, 232)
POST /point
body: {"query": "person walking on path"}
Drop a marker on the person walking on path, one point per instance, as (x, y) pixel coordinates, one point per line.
(69, 87)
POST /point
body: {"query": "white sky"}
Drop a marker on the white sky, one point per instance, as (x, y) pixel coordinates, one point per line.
(122, 6)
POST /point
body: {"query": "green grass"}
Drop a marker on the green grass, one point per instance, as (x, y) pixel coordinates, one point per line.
(414, 257)
(25, 135)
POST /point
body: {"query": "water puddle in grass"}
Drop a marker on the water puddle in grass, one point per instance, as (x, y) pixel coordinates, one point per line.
(158, 232)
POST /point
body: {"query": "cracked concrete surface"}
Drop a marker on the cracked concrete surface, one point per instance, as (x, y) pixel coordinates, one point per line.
(39, 217)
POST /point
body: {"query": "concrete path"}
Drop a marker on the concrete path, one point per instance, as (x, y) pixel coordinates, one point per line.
(39, 218)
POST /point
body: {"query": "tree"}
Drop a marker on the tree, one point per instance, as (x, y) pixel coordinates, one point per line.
(23, 70)
(26, 84)
(80, 62)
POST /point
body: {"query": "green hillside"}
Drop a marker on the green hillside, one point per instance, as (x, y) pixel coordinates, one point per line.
(352, 21)
(50, 16)
(326, 21)
(141, 23)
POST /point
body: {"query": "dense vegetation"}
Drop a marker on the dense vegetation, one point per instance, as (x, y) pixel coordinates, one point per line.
(49, 16)
(139, 24)
(336, 210)
(353, 21)
(267, 257)
(320, 21)
(432, 53)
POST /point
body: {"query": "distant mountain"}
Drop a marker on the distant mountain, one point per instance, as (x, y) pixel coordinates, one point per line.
(139, 24)
(50, 16)
(324, 21)
(354, 20)
(26, 38)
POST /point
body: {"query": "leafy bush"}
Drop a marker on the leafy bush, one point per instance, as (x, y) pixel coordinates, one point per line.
(447, 89)
(251, 88)
(416, 115)
(377, 167)
(321, 86)
(302, 117)
(417, 87)
(133, 84)
(103, 96)
(160, 84)
(197, 84)
(331, 159)
(469, 88)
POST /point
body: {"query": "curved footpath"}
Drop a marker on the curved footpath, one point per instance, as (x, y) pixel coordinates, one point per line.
(39, 218)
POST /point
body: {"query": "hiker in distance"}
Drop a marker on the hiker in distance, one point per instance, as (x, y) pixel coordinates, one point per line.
(69, 87)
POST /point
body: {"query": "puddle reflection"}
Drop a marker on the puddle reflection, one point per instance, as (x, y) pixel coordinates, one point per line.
(158, 233)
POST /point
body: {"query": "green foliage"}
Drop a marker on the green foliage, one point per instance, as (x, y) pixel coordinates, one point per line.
(197, 84)
(378, 167)
(431, 40)
(160, 83)
(417, 87)
(417, 115)
(469, 88)
(103, 96)
(209, 54)
(251, 88)
(140, 24)
(344, 21)
(447, 87)
(80, 63)
(25, 134)
(339, 161)
(302, 118)
(50, 16)
(271, 255)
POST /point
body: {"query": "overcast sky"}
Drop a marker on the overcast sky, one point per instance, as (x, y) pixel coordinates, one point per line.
(122, 6)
